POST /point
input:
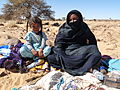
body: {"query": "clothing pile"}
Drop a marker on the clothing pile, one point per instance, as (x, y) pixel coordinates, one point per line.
(11, 58)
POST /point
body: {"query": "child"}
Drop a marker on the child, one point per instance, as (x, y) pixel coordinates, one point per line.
(35, 47)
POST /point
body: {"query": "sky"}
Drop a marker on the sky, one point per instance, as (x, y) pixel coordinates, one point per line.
(2, 2)
(90, 9)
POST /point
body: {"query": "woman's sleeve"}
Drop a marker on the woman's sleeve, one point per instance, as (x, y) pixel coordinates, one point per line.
(28, 39)
(59, 41)
(91, 37)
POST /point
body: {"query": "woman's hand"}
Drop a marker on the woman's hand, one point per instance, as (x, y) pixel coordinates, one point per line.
(35, 53)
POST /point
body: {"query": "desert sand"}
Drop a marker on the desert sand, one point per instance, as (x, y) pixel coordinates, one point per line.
(107, 33)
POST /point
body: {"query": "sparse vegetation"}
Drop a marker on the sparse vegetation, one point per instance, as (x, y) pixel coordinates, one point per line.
(17, 9)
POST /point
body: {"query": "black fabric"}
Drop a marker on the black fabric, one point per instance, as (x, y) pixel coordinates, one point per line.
(76, 13)
(75, 49)
(68, 36)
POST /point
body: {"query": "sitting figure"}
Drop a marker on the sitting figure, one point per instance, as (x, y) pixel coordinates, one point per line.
(35, 46)
(75, 49)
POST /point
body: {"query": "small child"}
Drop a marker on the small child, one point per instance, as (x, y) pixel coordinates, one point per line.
(35, 46)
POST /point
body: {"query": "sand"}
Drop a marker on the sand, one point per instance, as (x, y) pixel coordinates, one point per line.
(107, 33)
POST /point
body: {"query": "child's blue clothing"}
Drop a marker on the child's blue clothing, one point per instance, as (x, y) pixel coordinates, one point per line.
(34, 41)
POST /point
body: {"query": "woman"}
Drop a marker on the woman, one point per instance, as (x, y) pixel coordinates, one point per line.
(75, 49)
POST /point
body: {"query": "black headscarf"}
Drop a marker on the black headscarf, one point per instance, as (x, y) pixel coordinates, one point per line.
(70, 33)
(75, 25)
(76, 12)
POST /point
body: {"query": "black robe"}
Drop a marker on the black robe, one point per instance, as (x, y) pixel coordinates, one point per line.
(75, 49)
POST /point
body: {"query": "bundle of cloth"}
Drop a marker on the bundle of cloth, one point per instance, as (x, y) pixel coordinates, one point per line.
(10, 57)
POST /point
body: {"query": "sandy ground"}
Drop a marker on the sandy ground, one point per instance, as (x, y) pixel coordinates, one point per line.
(107, 33)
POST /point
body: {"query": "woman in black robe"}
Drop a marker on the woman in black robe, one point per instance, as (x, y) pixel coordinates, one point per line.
(75, 49)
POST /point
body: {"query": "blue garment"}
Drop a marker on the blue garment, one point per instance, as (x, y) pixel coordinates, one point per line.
(5, 46)
(5, 51)
(114, 64)
(34, 41)
(27, 53)
(14, 55)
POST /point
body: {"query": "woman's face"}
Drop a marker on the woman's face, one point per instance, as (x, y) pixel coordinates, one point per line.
(73, 18)
(36, 27)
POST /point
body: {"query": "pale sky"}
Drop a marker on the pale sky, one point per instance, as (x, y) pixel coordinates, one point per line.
(90, 9)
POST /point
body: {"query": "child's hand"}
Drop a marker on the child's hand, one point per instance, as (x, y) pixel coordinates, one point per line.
(49, 43)
(35, 53)
(40, 53)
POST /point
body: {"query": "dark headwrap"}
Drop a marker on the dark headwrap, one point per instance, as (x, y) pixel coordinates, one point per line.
(75, 25)
(76, 13)
(71, 33)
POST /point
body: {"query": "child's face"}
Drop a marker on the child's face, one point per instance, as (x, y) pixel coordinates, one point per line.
(36, 27)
